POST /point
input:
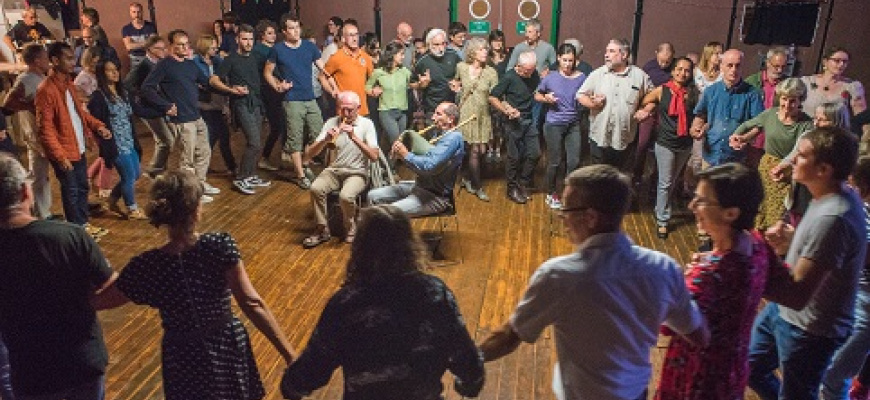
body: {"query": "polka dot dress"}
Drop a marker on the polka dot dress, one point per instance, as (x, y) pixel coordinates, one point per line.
(206, 350)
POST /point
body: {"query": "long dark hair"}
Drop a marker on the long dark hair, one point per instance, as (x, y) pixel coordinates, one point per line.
(385, 246)
(103, 82)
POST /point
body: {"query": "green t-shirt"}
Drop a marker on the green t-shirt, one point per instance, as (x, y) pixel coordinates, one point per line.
(394, 85)
(779, 138)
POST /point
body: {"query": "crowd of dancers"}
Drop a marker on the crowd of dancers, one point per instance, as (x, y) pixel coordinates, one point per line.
(771, 162)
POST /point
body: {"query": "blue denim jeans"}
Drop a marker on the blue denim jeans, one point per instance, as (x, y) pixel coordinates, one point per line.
(412, 200)
(801, 357)
(93, 389)
(670, 165)
(848, 360)
(74, 190)
(128, 170)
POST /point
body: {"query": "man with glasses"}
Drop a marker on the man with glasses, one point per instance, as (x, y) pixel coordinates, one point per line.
(27, 30)
(765, 81)
(435, 71)
(356, 146)
(606, 301)
(173, 87)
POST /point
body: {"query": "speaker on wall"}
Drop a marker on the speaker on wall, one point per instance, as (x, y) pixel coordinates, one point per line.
(780, 23)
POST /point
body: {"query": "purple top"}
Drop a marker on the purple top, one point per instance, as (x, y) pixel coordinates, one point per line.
(658, 75)
(566, 110)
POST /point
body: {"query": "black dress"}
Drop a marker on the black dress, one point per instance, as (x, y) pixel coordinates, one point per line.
(206, 350)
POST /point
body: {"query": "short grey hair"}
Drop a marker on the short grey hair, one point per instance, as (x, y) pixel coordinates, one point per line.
(577, 45)
(12, 178)
(434, 33)
(527, 58)
(452, 111)
(792, 87)
(624, 47)
(777, 51)
(534, 23)
(349, 95)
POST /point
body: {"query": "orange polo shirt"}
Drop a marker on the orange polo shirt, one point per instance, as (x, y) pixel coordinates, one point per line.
(351, 72)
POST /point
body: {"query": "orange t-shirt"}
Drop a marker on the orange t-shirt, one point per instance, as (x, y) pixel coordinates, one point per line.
(351, 73)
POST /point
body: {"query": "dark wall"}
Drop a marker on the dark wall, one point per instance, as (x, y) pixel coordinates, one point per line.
(687, 24)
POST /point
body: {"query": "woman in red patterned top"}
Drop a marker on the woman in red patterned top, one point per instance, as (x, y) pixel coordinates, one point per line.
(727, 284)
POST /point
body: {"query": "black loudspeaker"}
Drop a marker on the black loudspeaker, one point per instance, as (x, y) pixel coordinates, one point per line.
(780, 23)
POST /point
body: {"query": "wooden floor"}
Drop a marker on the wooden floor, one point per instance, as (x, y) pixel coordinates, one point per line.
(502, 244)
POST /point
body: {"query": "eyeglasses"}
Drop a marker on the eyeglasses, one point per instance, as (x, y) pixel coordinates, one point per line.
(839, 60)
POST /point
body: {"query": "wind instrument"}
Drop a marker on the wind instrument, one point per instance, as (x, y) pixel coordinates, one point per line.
(417, 144)
(344, 120)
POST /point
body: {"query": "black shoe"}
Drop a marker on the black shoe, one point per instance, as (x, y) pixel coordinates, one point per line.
(662, 232)
(525, 193)
(516, 196)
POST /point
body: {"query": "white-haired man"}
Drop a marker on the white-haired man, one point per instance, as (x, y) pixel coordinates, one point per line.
(356, 144)
(613, 94)
(513, 96)
(434, 72)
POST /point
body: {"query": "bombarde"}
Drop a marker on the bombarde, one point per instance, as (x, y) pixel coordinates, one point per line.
(419, 145)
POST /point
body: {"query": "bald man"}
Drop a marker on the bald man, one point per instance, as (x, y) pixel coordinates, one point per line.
(405, 37)
(724, 106)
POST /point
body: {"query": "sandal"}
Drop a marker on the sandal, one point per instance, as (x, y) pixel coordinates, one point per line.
(316, 240)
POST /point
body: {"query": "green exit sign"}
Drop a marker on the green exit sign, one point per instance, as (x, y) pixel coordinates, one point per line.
(481, 27)
(521, 27)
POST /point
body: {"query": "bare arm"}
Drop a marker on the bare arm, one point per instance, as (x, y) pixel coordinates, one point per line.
(216, 82)
(795, 290)
(109, 296)
(129, 44)
(500, 343)
(257, 311)
(8, 40)
(586, 101)
(268, 72)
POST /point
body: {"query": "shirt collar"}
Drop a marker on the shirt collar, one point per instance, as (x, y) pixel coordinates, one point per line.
(601, 240)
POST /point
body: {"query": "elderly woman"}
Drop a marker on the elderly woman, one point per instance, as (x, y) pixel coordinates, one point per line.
(476, 78)
(782, 127)
(726, 283)
(393, 329)
(206, 350)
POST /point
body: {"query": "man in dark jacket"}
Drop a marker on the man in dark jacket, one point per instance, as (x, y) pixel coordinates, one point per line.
(154, 118)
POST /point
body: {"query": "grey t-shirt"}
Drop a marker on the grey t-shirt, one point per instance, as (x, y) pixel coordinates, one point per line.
(833, 234)
(349, 154)
(544, 52)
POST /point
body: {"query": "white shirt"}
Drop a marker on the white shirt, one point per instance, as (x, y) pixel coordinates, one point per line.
(77, 124)
(349, 154)
(606, 303)
(614, 125)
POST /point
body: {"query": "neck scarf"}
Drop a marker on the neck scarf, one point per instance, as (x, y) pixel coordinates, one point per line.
(677, 107)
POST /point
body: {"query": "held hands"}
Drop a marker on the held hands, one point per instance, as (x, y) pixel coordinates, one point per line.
(66, 165)
(598, 100)
(425, 78)
(283, 86)
(3, 134)
(455, 85)
(698, 131)
(511, 112)
(377, 91)
(737, 142)
(642, 115)
(240, 90)
(780, 171)
(779, 236)
(104, 133)
(173, 111)
(550, 98)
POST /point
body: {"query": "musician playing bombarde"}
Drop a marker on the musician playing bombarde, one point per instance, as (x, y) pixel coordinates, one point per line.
(436, 170)
(356, 145)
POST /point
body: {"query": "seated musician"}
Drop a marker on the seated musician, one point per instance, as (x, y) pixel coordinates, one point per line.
(356, 144)
(436, 170)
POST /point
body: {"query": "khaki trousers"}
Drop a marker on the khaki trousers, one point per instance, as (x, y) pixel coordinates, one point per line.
(195, 151)
(350, 182)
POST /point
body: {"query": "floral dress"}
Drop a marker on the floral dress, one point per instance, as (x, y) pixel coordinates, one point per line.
(206, 350)
(727, 288)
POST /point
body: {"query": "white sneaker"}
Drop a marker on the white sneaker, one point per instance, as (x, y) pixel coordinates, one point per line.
(554, 202)
(256, 181)
(209, 189)
(205, 199)
(242, 186)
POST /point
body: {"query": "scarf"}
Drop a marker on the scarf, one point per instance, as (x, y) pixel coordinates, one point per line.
(677, 108)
